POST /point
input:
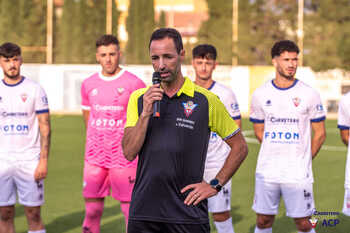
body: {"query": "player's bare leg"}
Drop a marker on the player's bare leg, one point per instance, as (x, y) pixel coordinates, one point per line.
(223, 222)
(34, 220)
(7, 216)
(304, 225)
(93, 213)
(264, 223)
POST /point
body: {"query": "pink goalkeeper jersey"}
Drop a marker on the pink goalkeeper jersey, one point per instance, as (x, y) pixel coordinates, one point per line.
(107, 98)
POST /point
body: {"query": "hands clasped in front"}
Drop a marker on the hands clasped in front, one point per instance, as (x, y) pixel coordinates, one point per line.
(200, 191)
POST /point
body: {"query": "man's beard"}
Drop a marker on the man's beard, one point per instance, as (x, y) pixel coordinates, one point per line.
(289, 77)
(15, 76)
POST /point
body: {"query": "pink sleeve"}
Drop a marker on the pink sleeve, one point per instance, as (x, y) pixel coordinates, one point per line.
(84, 96)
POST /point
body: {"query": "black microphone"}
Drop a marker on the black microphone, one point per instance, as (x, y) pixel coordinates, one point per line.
(156, 78)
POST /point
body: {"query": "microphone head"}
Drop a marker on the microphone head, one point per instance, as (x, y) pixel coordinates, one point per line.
(156, 78)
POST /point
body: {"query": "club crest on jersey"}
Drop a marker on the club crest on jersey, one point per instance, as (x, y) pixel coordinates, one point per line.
(296, 101)
(189, 107)
(120, 90)
(24, 97)
(94, 92)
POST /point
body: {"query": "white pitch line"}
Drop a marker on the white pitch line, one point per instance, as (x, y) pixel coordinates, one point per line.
(324, 147)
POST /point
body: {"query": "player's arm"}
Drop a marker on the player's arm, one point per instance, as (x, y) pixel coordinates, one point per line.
(86, 114)
(239, 151)
(344, 134)
(319, 136)
(238, 122)
(134, 137)
(45, 138)
(203, 190)
(259, 131)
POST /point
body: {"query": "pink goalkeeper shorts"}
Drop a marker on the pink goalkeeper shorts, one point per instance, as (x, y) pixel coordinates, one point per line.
(98, 182)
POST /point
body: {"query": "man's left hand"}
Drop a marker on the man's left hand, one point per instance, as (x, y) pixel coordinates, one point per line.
(199, 192)
(41, 170)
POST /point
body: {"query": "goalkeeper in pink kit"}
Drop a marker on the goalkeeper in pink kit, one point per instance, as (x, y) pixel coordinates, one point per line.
(105, 96)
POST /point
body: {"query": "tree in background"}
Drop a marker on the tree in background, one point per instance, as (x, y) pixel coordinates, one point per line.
(162, 20)
(82, 22)
(327, 33)
(139, 25)
(217, 30)
(24, 22)
(261, 23)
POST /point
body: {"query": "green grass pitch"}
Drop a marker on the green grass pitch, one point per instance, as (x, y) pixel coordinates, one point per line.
(63, 210)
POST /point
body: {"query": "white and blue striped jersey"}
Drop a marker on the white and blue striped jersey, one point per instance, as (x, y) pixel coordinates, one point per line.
(285, 152)
(19, 127)
(218, 150)
(344, 123)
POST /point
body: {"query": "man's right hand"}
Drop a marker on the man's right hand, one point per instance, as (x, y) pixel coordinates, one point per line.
(153, 93)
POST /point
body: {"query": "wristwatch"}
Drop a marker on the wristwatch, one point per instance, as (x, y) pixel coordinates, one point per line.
(214, 183)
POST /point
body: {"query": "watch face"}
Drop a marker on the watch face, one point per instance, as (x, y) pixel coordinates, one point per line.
(214, 182)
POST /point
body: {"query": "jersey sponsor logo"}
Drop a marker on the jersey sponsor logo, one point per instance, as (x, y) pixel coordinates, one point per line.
(282, 121)
(98, 107)
(14, 129)
(106, 122)
(13, 114)
(24, 97)
(189, 107)
(296, 101)
(282, 137)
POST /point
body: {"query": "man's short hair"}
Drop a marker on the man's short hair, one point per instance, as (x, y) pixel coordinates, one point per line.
(204, 51)
(106, 40)
(172, 33)
(9, 50)
(283, 46)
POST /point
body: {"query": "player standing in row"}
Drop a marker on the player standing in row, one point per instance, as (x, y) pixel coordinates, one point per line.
(344, 126)
(24, 143)
(204, 63)
(105, 96)
(286, 112)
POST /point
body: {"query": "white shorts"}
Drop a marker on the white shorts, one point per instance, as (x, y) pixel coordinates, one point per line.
(221, 202)
(18, 177)
(346, 207)
(298, 198)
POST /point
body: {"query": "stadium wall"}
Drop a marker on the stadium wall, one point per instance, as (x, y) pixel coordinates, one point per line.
(62, 82)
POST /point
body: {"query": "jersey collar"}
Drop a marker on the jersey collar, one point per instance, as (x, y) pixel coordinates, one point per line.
(187, 88)
(111, 78)
(283, 89)
(13, 85)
